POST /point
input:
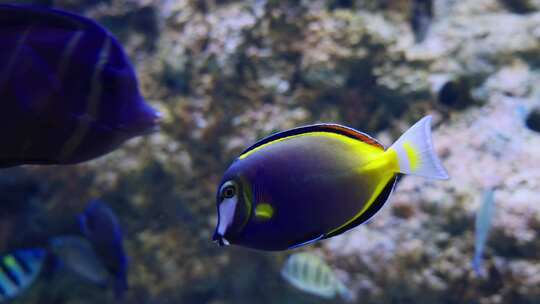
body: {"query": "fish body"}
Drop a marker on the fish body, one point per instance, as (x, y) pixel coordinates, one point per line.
(311, 274)
(315, 182)
(69, 93)
(100, 226)
(78, 255)
(482, 227)
(18, 270)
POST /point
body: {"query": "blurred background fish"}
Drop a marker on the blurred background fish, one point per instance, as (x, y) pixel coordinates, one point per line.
(92, 249)
(311, 274)
(100, 226)
(482, 226)
(69, 93)
(78, 256)
(19, 270)
(421, 18)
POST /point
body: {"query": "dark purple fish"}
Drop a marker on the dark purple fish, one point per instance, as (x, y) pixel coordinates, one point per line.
(69, 93)
(100, 226)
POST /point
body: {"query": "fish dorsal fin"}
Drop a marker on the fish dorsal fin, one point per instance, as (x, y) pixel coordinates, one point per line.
(23, 15)
(324, 127)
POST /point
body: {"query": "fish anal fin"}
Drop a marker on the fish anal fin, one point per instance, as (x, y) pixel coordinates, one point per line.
(320, 237)
(371, 211)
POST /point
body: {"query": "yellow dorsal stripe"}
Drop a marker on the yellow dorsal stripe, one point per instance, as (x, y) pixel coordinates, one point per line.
(343, 138)
(412, 155)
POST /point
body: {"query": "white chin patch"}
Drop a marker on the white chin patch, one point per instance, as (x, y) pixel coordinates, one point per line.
(226, 215)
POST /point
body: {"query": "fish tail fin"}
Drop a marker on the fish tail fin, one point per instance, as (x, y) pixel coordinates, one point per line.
(415, 154)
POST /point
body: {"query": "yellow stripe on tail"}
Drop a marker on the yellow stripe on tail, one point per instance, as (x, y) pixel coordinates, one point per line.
(415, 154)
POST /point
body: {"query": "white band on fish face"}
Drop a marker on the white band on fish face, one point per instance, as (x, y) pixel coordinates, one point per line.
(227, 209)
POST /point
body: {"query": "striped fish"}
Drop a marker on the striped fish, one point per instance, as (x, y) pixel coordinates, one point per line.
(69, 93)
(311, 274)
(18, 270)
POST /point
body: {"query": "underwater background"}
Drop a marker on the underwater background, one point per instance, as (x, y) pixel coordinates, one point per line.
(226, 73)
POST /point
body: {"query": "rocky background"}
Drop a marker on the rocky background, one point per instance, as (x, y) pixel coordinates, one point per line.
(226, 73)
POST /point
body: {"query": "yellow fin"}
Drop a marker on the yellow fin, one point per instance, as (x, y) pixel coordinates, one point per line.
(415, 152)
(376, 192)
(412, 154)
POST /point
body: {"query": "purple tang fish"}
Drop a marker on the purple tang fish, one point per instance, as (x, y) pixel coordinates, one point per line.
(315, 182)
(69, 93)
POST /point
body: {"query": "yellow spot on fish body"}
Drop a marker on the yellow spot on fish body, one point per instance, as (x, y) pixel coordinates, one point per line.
(10, 261)
(264, 210)
(412, 155)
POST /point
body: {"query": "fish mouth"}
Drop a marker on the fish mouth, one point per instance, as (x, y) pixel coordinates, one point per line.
(220, 240)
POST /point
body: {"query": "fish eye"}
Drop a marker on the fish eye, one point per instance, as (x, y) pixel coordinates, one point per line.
(228, 190)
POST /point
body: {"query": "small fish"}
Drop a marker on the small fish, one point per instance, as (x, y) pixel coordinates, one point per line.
(311, 274)
(521, 112)
(421, 18)
(78, 255)
(315, 182)
(69, 92)
(482, 226)
(100, 226)
(18, 270)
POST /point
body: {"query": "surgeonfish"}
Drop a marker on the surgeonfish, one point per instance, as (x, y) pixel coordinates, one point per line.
(69, 92)
(100, 226)
(18, 270)
(315, 182)
(311, 274)
(78, 256)
(482, 227)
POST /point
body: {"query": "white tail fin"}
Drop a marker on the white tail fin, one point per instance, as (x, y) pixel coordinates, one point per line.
(415, 152)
